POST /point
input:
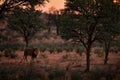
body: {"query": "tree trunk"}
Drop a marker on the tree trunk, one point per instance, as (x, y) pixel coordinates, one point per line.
(106, 57)
(88, 59)
(107, 49)
(32, 6)
(49, 29)
(57, 30)
(26, 41)
(2, 10)
(1, 14)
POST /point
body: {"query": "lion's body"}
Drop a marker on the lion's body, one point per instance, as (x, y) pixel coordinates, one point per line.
(31, 52)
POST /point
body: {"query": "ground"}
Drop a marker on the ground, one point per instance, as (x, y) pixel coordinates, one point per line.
(53, 66)
(46, 61)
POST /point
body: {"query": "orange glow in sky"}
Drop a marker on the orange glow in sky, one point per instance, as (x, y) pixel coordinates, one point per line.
(58, 4)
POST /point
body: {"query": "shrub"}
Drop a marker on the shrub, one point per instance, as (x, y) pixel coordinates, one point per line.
(13, 46)
(76, 75)
(42, 49)
(79, 51)
(68, 47)
(11, 72)
(57, 75)
(9, 53)
(58, 49)
(115, 49)
(97, 74)
(51, 50)
(30, 73)
(65, 56)
(99, 52)
(1, 54)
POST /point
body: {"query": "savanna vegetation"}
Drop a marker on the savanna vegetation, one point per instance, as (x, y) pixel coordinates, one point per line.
(79, 42)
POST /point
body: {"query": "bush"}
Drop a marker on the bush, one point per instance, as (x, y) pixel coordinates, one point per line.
(13, 46)
(57, 75)
(97, 74)
(58, 49)
(42, 49)
(1, 54)
(99, 52)
(115, 49)
(76, 75)
(79, 51)
(10, 72)
(65, 56)
(9, 53)
(51, 50)
(68, 47)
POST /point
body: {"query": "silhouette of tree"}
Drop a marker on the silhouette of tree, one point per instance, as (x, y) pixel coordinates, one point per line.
(110, 28)
(8, 5)
(25, 21)
(53, 19)
(83, 22)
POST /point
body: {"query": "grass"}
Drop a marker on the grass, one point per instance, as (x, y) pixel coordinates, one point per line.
(98, 74)
(76, 75)
(44, 55)
(79, 50)
(12, 46)
(65, 56)
(10, 72)
(57, 74)
(10, 53)
(99, 52)
(29, 72)
(1, 54)
(55, 47)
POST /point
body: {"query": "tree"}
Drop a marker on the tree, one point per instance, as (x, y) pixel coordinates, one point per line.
(56, 20)
(110, 31)
(50, 18)
(25, 21)
(53, 18)
(110, 28)
(33, 3)
(8, 5)
(107, 38)
(82, 22)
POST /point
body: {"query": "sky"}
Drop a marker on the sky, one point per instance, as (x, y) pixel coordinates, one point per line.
(58, 4)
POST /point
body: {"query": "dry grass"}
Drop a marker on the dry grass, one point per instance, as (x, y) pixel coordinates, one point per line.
(53, 66)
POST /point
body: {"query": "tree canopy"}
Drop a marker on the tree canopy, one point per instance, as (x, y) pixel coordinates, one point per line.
(8, 5)
(85, 20)
(25, 21)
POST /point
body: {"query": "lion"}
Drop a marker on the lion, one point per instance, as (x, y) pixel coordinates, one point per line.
(33, 53)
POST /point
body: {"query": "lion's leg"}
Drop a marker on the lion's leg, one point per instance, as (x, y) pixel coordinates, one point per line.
(25, 58)
(32, 59)
(21, 60)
